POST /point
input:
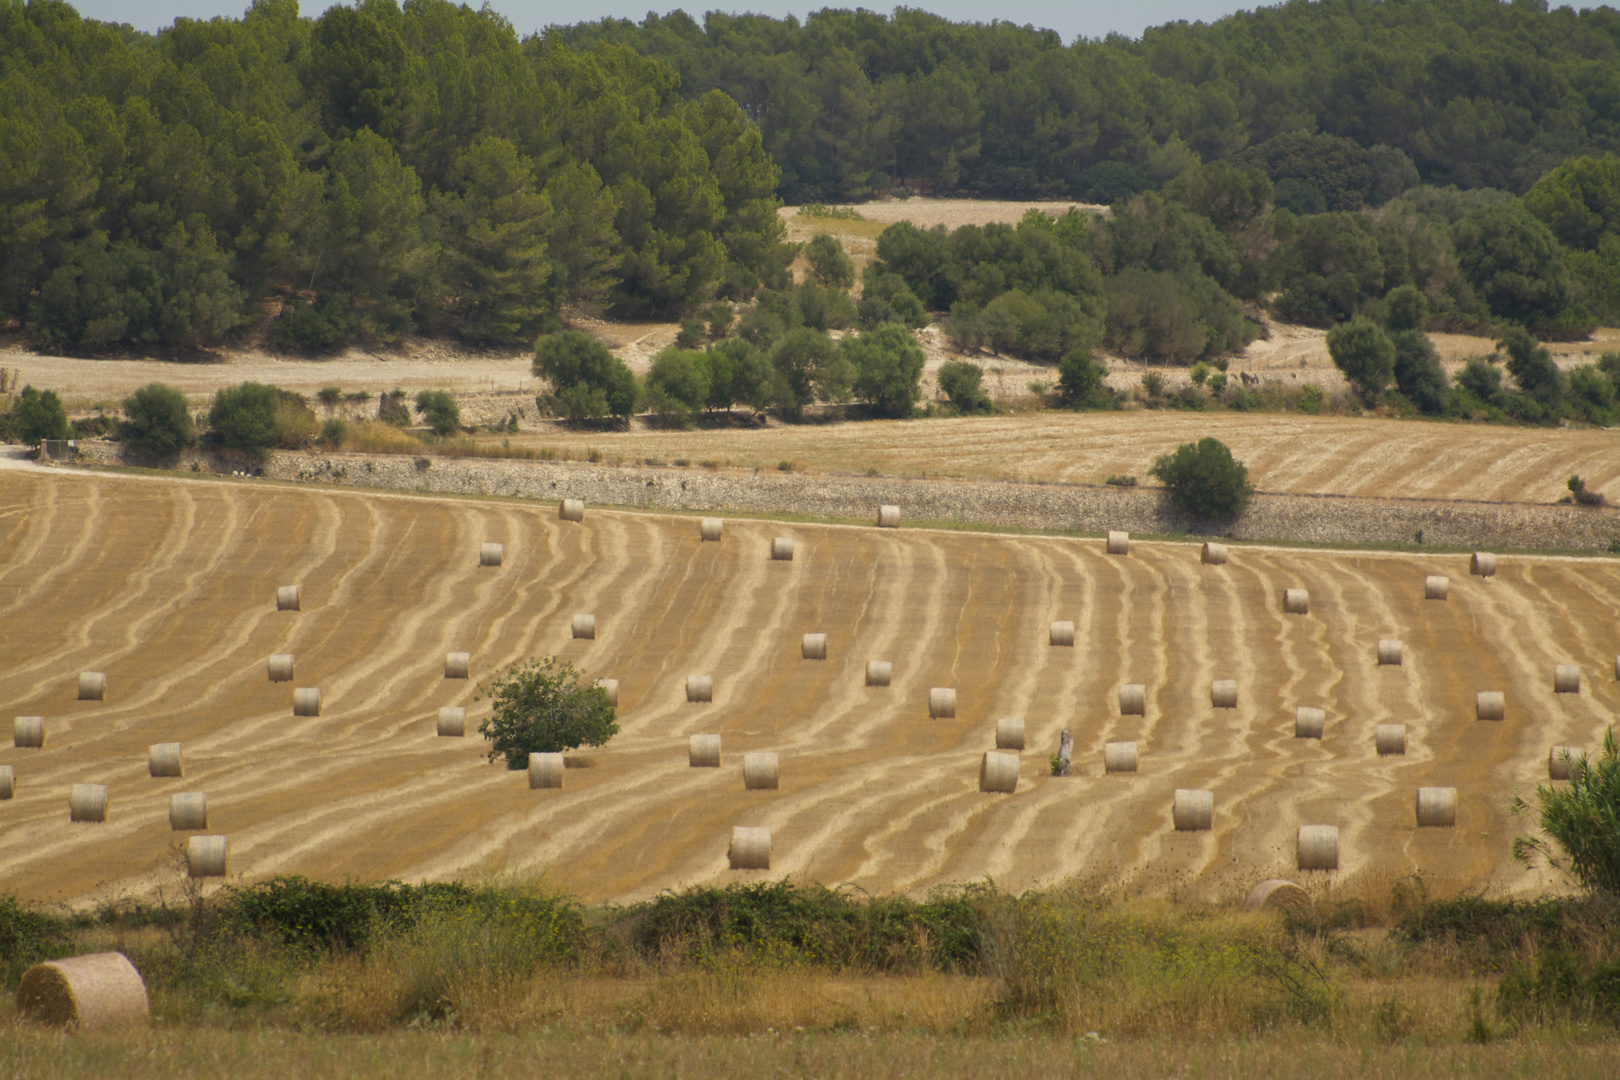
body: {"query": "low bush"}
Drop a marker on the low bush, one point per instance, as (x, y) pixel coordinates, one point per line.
(1204, 480)
(439, 411)
(963, 385)
(157, 421)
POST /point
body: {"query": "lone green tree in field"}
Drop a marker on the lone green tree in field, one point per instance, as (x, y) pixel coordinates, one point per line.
(38, 416)
(1583, 820)
(1203, 479)
(542, 707)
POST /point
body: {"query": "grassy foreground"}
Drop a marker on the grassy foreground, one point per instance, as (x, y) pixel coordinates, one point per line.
(292, 977)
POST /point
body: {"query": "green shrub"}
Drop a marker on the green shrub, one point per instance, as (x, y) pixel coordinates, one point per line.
(1366, 356)
(334, 433)
(678, 383)
(690, 335)
(887, 364)
(27, 937)
(440, 411)
(963, 385)
(587, 380)
(37, 416)
(157, 421)
(301, 912)
(392, 410)
(829, 264)
(243, 418)
(1310, 399)
(1582, 820)
(541, 707)
(296, 424)
(809, 367)
(1153, 385)
(1080, 381)
(1203, 479)
(1418, 373)
(329, 396)
(323, 326)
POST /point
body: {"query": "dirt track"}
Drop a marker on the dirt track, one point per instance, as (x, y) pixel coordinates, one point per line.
(168, 587)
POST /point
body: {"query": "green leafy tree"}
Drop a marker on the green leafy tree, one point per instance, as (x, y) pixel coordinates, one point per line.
(37, 416)
(888, 366)
(754, 381)
(243, 417)
(810, 367)
(1405, 309)
(587, 380)
(542, 707)
(829, 264)
(1204, 480)
(678, 383)
(1481, 380)
(1513, 263)
(1330, 270)
(1582, 820)
(1080, 381)
(1418, 373)
(1366, 356)
(157, 421)
(963, 385)
(1533, 367)
(439, 411)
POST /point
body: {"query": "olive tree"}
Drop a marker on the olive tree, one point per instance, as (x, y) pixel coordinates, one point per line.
(542, 707)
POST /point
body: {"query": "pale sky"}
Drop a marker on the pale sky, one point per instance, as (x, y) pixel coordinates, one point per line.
(1070, 18)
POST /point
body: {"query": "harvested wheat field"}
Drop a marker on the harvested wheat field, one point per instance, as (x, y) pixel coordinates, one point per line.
(169, 588)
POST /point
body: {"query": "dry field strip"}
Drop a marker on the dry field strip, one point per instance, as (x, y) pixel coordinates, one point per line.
(169, 588)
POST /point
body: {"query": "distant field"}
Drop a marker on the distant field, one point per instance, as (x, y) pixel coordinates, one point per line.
(167, 586)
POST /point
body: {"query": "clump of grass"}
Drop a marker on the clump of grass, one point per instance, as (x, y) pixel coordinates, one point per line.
(373, 437)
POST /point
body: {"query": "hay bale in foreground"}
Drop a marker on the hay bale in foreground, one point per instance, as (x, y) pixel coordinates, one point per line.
(750, 848)
(456, 665)
(1223, 693)
(710, 530)
(759, 772)
(87, 802)
(452, 722)
(1010, 733)
(888, 516)
(8, 782)
(813, 647)
(878, 672)
(1390, 739)
(307, 701)
(998, 772)
(163, 759)
(1566, 679)
(1119, 543)
(584, 627)
(281, 667)
(491, 554)
(208, 856)
(1133, 699)
(703, 751)
(188, 811)
(610, 687)
(1436, 807)
(1561, 760)
(1309, 723)
(92, 686)
(28, 733)
(942, 703)
(1490, 705)
(1389, 652)
(289, 598)
(1482, 564)
(571, 510)
(699, 688)
(545, 771)
(1277, 894)
(1119, 757)
(1296, 602)
(1435, 587)
(1061, 634)
(1213, 555)
(100, 990)
(1193, 810)
(1318, 847)
(782, 549)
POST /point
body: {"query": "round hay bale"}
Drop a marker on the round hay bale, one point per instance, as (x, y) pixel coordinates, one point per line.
(281, 667)
(759, 772)
(888, 517)
(1119, 543)
(188, 811)
(1213, 555)
(452, 722)
(1133, 699)
(307, 701)
(878, 672)
(1061, 634)
(1277, 894)
(456, 665)
(87, 802)
(1436, 807)
(1490, 705)
(571, 510)
(584, 627)
(1223, 693)
(29, 733)
(1389, 652)
(8, 782)
(1566, 679)
(709, 529)
(92, 686)
(942, 703)
(1435, 587)
(1561, 759)
(1193, 810)
(545, 771)
(814, 647)
(611, 688)
(1296, 602)
(491, 554)
(1010, 733)
(100, 990)
(1309, 722)
(750, 848)
(1483, 564)
(163, 759)
(288, 598)
(208, 856)
(700, 688)
(1318, 847)
(703, 751)
(782, 549)
(1119, 757)
(1390, 739)
(998, 772)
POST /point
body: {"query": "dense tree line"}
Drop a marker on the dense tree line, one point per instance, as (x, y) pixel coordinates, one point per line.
(377, 170)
